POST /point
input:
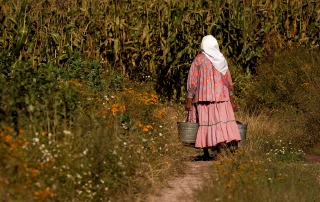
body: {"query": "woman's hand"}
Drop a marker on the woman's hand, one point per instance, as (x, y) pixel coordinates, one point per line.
(188, 105)
(234, 105)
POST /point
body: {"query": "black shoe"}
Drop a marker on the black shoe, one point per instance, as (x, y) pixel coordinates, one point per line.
(206, 158)
(206, 155)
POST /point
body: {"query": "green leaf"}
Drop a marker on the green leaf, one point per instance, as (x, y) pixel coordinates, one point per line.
(171, 38)
(68, 27)
(178, 20)
(22, 13)
(56, 38)
(23, 33)
(63, 57)
(13, 20)
(3, 2)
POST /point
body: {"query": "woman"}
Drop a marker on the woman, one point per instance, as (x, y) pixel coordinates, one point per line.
(209, 100)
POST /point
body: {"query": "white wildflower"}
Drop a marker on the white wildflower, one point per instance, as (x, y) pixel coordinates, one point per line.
(78, 176)
(79, 192)
(66, 132)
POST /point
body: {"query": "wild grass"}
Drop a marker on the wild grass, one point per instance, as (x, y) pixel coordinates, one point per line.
(119, 150)
(268, 168)
(286, 88)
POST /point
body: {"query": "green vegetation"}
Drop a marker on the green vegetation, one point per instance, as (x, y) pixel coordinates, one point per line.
(271, 167)
(113, 148)
(153, 40)
(91, 91)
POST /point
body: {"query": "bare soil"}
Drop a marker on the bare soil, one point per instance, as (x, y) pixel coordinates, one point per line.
(181, 188)
(313, 158)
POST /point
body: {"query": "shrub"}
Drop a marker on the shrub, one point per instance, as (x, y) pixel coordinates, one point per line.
(287, 85)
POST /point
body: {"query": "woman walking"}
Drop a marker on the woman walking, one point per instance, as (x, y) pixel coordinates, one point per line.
(209, 100)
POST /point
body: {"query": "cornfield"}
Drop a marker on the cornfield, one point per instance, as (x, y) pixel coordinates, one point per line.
(151, 39)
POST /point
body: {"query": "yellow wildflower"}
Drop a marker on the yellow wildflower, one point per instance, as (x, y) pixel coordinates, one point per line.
(118, 108)
(75, 82)
(305, 84)
(34, 173)
(229, 183)
(7, 138)
(21, 132)
(147, 128)
(138, 123)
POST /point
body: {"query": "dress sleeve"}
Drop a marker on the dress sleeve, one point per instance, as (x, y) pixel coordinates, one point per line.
(193, 79)
(228, 82)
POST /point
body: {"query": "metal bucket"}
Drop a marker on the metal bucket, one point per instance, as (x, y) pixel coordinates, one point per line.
(188, 132)
(243, 131)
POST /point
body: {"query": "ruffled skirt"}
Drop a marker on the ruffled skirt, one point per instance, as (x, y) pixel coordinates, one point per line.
(216, 123)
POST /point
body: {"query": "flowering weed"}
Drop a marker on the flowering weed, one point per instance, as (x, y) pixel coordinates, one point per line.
(267, 168)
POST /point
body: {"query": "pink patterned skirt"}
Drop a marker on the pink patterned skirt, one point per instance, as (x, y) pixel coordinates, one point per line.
(216, 123)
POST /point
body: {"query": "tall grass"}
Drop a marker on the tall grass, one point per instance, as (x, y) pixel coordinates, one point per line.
(286, 86)
(119, 148)
(270, 167)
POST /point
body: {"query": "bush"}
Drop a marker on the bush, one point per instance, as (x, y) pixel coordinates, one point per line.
(288, 85)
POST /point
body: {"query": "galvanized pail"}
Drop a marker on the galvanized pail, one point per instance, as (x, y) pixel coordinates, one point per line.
(188, 132)
(243, 131)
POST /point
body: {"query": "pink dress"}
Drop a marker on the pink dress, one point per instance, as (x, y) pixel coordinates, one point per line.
(211, 108)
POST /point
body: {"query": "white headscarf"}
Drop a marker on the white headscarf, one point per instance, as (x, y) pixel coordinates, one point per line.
(210, 48)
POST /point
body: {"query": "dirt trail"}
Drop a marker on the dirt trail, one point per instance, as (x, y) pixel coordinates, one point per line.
(181, 188)
(313, 159)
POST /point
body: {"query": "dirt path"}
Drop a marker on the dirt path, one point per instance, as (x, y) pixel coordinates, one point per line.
(313, 159)
(181, 188)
